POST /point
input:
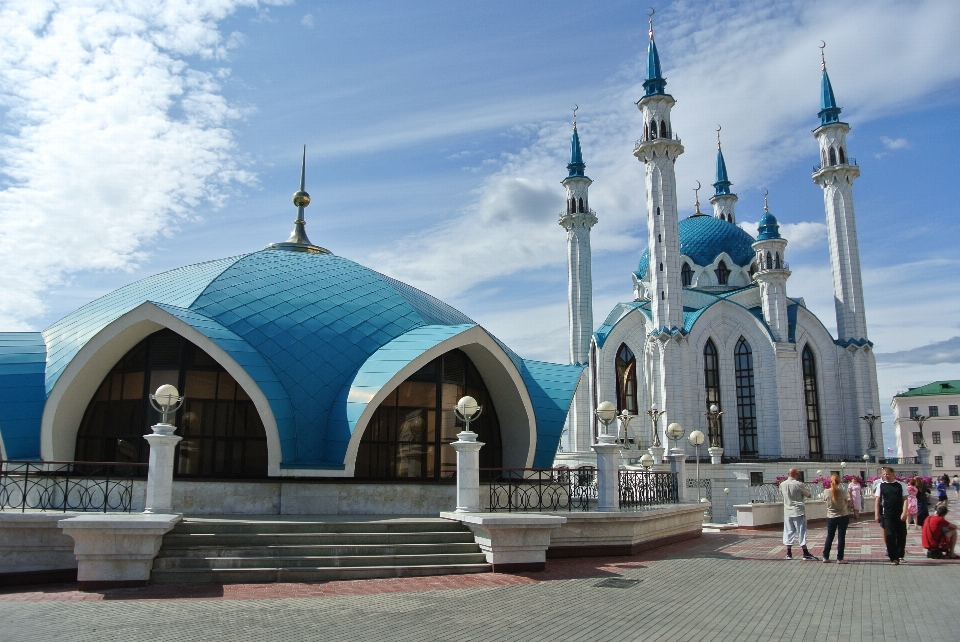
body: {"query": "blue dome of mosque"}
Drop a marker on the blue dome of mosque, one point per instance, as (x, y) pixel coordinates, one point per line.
(703, 238)
(768, 228)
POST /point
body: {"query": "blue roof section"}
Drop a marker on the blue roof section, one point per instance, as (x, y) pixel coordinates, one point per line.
(619, 311)
(723, 183)
(655, 83)
(175, 287)
(23, 358)
(829, 112)
(551, 387)
(769, 228)
(703, 238)
(576, 165)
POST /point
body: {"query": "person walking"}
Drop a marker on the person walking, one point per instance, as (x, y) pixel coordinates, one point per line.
(942, 484)
(923, 500)
(838, 518)
(795, 515)
(956, 485)
(855, 490)
(891, 514)
(912, 503)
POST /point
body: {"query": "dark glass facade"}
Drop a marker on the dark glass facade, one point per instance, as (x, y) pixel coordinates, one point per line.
(812, 402)
(223, 435)
(409, 434)
(746, 399)
(626, 364)
(711, 384)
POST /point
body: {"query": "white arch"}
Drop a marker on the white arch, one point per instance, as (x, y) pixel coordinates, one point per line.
(518, 424)
(79, 381)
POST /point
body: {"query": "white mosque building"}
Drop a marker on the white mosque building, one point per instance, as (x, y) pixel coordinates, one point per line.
(711, 322)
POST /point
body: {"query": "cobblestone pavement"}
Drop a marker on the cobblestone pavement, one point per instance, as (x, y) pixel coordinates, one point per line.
(727, 586)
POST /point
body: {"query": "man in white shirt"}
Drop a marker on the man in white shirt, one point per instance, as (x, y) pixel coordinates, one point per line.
(795, 514)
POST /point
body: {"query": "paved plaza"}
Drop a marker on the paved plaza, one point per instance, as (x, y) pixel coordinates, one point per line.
(724, 586)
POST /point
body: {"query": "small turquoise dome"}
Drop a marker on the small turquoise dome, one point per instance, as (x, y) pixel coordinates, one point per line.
(769, 228)
(703, 238)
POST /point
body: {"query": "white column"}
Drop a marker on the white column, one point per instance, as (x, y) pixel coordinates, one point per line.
(678, 464)
(468, 472)
(160, 473)
(608, 473)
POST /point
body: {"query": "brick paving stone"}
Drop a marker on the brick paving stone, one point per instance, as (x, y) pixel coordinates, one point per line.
(724, 586)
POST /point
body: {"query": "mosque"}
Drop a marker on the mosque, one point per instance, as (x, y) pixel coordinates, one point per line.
(711, 340)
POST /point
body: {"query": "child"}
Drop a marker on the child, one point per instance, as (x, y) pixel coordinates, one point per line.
(912, 491)
(854, 489)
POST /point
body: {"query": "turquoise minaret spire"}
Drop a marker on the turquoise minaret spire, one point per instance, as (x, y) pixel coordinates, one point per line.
(576, 165)
(829, 112)
(723, 183)
(723, 200)
(655, 83)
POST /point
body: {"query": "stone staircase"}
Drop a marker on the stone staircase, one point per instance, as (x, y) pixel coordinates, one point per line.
(264, 550)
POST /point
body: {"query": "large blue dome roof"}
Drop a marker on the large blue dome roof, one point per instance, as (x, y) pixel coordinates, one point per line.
(703, 238)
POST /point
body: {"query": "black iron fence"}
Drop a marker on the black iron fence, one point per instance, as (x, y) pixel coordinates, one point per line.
(640, 489)
(540, 489)
(68, 485)
(898, 461)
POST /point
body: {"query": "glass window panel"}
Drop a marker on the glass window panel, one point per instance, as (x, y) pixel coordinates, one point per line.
(221, 423)
(242, 395)
(226, 387)
(133, 385)
(255, 458)
(417, 394)
(200, 384)
(190, 419)
(240, 420)
(188, 462)
(116, 385)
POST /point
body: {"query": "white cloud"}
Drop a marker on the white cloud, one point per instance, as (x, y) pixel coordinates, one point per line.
(307, 20)
(894, 143)
(799, 235)
(113, 138)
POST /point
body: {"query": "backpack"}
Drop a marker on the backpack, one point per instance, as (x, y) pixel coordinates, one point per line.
(935, 554)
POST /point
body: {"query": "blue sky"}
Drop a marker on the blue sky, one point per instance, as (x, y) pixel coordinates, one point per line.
(140, 138)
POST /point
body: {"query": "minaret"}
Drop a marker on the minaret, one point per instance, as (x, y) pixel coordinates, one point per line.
(835, 175)
(577, 221)
(723, 200)
(298, 241)
(772, 274)
(658, 150)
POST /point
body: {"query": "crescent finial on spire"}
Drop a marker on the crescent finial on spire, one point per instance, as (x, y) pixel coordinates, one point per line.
(575, 108)
(823, 60)
(650, 17)
(718, 136)
(696, 192)
(765, 193)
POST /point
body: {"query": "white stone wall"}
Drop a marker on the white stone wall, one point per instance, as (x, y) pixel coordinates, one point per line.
(944, 424)
(724, 207)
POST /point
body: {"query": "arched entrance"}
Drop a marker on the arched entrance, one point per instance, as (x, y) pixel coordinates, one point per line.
(409, 434)
(223, 435)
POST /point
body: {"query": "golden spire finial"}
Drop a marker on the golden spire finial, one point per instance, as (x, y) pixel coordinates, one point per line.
(575, 108)
(718, 136)
(765, 208)
(696, 192)
(652, 11)
(823, 60)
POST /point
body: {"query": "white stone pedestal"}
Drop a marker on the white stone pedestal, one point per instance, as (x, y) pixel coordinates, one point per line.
(657, 453)
(160, 474)
(678, 464)
(116, 550)
(923, 458)
(608, 471)
(512, 543)
(468, 472)
(716, 453)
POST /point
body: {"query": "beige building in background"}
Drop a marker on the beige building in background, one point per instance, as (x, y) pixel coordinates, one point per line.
(938, 403)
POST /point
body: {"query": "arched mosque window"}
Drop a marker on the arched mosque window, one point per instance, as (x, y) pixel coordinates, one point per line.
(686, 275)
(581, 206)
(833, 156)
(653, 129)
(722, 273)
(663, 129)
(223, 435)
(409, 435)
(711, 385)
(811, 401)
(769, 261)
(746, 399)
(626, 364)
(843, 159)
(777, 263)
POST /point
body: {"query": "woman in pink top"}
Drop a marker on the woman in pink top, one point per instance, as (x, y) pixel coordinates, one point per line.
(854, 489)
(912, 507)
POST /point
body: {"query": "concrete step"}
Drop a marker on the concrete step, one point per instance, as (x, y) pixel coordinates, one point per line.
(313, 551)
(261, 526)
(177, 540)
(322, 561)
(325, 574)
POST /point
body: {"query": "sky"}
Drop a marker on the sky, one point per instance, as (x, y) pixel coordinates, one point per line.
(138, 137)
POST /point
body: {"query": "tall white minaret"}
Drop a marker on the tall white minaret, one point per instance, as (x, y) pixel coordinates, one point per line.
(772, 274)
(835, 175)
(577, 221)
(723, 200)
(658, 150)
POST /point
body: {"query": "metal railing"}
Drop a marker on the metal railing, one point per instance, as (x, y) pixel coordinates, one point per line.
(650, 139)
(640, 489)
(849, 161)
(540, 489)
(770, 493)
(68, 485)
(903, 461)
(825, 458)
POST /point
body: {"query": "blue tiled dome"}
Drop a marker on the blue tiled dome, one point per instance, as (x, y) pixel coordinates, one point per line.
(703, 238)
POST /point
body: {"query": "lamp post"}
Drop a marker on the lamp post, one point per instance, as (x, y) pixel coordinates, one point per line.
(646, 461)
(675, 432)
(872, 449)
(920, 419)
(608, 455)
(163, 443)
(625, 419)
(468, 456)
(696, 439)
(715, 449)
(656, 449)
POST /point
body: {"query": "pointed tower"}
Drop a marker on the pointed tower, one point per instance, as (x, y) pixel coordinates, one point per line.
(772, 274)
(298, 241)
(835, 175)
(658, 150)
(577, 220)
(723, 200)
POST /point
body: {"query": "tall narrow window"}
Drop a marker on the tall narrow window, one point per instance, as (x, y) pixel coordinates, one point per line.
(626, 380)
(777, 264)
(658, 211)
(653, 129)
(833, 156)
(769, 261)
(722, 273)
(661, 267)
(686, 275)
(581, 205)
(663, 129)
(843, 159)
(711, 384)
(746, 399)
(646, 132)
(812, 402)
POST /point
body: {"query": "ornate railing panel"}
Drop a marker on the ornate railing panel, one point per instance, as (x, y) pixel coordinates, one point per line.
(68, 485)
(540, 489)
(640, 489)
(707, 486)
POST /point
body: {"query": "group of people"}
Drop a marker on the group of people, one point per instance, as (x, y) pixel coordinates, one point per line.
(896, 503)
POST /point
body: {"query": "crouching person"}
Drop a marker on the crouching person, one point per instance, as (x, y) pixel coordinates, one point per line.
(939, 536)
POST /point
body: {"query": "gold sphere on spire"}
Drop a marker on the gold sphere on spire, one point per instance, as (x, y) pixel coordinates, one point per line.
(301, 198)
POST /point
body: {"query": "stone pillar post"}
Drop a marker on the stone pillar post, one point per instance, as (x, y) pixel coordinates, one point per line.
(608, 473)
(657, 453)
(468, 472)
(716, 453)
(923, 458)
(678, 464)
(160, 474)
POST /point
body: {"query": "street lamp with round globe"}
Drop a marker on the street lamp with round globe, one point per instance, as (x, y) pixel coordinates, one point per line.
(466, 410)
(675, 432)
(696, 439)
(166, 400)
(647, 461)
(607, 414)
